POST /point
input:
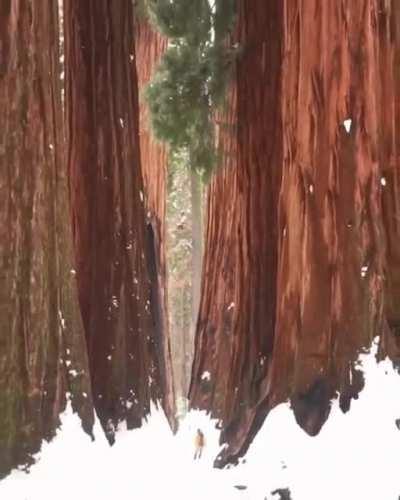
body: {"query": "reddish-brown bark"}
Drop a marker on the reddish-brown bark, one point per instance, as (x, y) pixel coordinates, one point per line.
(116, 256)
(150, 47)
(302, 233)
(40, 330)
(389, 41)
(331, 272)
(236, 322)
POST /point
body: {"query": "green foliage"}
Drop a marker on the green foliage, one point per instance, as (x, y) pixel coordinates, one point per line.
(174, 97)
(192, 77)
(181, 19)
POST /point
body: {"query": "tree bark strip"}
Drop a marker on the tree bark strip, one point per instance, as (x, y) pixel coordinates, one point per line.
(236, 322)
(150, 47)
(41, 334)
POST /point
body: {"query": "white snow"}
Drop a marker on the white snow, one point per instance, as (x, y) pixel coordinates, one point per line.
(364, 270)
(206, 375)
(356, 455)
(383, 181)
(62, 320)
(347, 125)
(311, 188)
(231, 306)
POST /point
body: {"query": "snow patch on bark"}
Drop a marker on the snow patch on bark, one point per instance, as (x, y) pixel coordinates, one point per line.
(347, 125)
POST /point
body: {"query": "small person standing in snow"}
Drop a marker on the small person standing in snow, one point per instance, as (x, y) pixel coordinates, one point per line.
(199, 443)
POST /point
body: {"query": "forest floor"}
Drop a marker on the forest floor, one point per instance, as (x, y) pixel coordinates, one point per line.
(356, 456)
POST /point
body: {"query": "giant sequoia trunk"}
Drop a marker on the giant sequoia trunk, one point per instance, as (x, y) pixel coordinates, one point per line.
(302, 259)
(236, 320)
(40, 330)
(150, 47)
(116, 255)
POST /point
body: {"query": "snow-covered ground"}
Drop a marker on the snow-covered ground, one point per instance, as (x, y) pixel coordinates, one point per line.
(355, 457)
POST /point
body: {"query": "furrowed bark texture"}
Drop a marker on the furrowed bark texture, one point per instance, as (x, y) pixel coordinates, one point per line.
(150, 47)
(40, 330)
(236, 320)
(116, 254)
(388, 126)
(302, 253)
(331, 271)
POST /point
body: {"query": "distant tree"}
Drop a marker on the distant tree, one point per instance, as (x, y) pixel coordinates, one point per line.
(179, 248)
(183, 95)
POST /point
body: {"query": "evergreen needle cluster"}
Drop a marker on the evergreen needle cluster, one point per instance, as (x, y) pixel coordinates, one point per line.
(192, 77)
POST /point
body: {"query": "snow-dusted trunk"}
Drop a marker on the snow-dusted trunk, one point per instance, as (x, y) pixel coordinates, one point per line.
(302, 263)
(332, 243)
(236, 322)
(116, 248)
(150, 47)
(389, 129)
(41, 335)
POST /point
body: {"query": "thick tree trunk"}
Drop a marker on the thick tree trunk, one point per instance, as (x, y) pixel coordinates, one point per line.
(297, 276)
(331, 249)
(116, 255)
(388, 126)
(43, 351)
(150, 46)
(236, 322)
